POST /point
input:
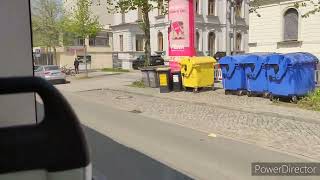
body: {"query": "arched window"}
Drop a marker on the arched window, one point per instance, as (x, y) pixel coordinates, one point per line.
(238, 8)
(291, 20)
(211, 43)
(238, 42)
(197, 41)
(211, 7)
(160, 41)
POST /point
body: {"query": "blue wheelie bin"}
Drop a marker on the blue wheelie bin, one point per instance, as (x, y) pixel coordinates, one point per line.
(291, 75)
(256, 73)
(233, 74)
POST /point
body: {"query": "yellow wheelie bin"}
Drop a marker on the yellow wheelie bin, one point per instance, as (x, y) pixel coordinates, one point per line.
(197, 72)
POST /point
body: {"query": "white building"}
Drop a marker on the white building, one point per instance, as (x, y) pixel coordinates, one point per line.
(210, 21)
(282, 29)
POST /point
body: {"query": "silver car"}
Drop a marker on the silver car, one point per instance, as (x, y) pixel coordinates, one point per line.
(51, 73)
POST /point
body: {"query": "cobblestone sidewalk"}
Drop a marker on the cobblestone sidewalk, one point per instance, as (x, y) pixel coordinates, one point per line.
(289, 135)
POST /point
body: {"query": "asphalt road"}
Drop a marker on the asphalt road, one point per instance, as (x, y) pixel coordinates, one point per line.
(125, 145)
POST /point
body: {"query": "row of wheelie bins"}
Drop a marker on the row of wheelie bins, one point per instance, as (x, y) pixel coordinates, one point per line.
(187, 73)
(269, 74)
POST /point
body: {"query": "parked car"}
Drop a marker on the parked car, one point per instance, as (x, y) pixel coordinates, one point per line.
(51, 73)
(219, 55)
(155, 60)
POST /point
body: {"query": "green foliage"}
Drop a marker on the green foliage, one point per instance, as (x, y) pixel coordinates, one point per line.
(47, 17)
(311, 101)
(81, 22)
(138, 84)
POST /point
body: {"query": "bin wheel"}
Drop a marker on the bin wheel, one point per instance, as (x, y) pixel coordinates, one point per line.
(266, 95)
(195, 90)
(249, 94)
(294, 99)
(226, 92)
(184, 88)
(240, 93)
(271, 97)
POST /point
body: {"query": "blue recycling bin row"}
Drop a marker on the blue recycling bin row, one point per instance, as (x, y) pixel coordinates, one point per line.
(289, 75)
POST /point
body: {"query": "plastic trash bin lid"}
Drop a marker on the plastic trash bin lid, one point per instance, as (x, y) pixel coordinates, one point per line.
(163, 69)
(236, 59)
(258, 57)
(197, 60)
(293, 58)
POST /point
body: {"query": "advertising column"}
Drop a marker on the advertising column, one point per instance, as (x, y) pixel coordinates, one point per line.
(181, 30)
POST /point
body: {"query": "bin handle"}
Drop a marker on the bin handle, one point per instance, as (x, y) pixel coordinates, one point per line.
(187, 71)
(229, 73)
(253, 74)
(282, 71)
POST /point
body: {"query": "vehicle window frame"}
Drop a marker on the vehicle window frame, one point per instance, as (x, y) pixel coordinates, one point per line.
(45, 68)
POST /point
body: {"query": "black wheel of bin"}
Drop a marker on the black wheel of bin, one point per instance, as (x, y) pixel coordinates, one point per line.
(266, 95)
(184, 88)
(294, 99)
(227, 92)
(195, 90)
(249, 94)
(271, 97)
(240, 93)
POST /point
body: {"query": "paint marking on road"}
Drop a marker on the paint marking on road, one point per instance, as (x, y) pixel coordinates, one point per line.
(212, 135)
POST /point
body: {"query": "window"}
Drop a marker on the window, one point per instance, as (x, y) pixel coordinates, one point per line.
(139, 14)
(160, 41)
(78, 42)
(238, 42)
(211, 43)
(197, 6)
(291, 21)
(197, 41)
(238, 8)
(211, 7)
(160, 7)
(139, 42)
(121, 42)
(101, 39)
(51, 68)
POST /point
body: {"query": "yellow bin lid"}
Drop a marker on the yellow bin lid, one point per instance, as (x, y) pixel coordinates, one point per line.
(197, 60)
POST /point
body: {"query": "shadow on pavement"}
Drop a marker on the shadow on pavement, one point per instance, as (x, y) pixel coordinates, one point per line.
(113, 161)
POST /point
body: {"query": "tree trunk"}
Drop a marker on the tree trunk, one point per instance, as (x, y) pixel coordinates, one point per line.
(47, 57)
(55, 62)
(146, 29)
(85, 58)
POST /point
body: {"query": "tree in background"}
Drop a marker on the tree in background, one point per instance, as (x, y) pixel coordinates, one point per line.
(47, 18)
(82, 23)
(145, 6)
(314, 4)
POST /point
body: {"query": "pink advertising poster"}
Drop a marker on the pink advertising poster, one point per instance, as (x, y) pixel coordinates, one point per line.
(181, 30)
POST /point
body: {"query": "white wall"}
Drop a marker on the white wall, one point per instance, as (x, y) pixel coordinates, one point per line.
(266, 31)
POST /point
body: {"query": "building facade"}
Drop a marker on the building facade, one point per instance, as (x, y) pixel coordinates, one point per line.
(99, 48)
(211, 30)
(281, 28)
